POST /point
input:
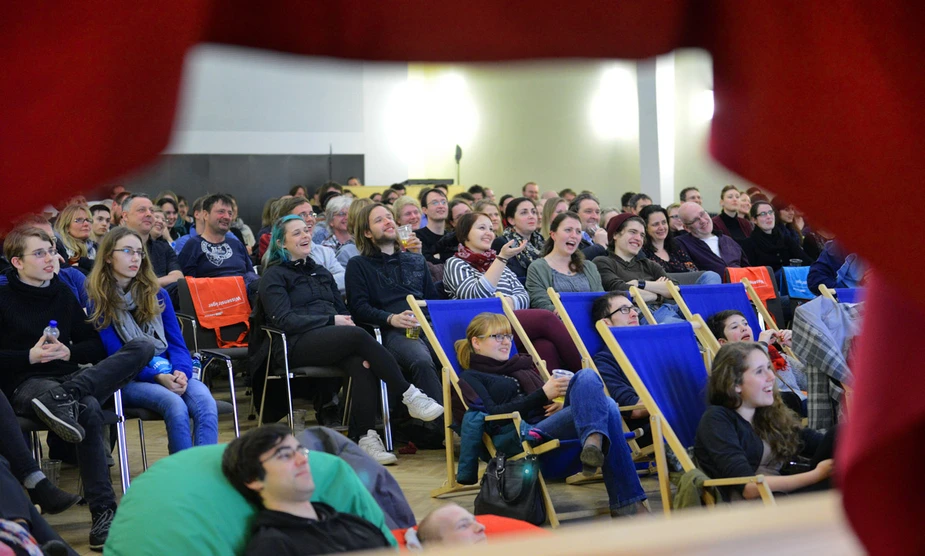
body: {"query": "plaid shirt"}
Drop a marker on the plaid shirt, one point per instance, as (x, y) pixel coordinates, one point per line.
(822, 335)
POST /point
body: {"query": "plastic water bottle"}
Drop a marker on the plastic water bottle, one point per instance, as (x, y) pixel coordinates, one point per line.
(51, 332)
(197, 366)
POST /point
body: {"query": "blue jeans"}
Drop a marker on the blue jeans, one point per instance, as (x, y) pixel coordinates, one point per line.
(197, 402)
(597, 413)
(709, 278)
(667, 313)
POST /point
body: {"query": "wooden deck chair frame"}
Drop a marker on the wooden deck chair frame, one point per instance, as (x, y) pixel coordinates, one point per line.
(643, 306)
(587, 361)
(451, 383)
(763, 311)
(662, 432)
(826, 291)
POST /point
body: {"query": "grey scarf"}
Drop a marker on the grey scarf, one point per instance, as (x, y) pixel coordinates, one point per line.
(128, 329)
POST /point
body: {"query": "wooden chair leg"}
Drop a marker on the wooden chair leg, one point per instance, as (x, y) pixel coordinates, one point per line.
(661, 463)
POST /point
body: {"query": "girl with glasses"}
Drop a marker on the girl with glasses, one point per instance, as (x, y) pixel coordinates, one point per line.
(500, 383)
(126, 303)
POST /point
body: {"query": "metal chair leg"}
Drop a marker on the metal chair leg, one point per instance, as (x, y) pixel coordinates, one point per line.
(386, 418)
(37, 447)
(288, 384)
(348, 403)
(123, 449)
(234, 402)
(144, 451)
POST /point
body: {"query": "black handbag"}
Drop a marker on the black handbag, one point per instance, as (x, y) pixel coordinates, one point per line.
(512, 489)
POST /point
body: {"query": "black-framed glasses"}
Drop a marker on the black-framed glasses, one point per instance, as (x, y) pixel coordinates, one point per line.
(286, 453)
(129, 252)
(765, 213)
(499, 337)
(42, 253)
(625, 310)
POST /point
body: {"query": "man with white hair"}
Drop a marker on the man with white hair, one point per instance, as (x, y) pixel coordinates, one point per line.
(708, 250)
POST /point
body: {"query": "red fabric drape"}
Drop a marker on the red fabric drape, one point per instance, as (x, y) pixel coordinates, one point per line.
(817, 101)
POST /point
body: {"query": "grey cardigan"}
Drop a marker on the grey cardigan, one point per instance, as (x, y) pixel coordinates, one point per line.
(539, 278)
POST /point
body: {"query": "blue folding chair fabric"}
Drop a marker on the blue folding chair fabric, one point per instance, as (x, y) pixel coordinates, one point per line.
(667, 359)
(578, 306)
(849, 295)
(709, 300)
(793, 282)
(450, 318)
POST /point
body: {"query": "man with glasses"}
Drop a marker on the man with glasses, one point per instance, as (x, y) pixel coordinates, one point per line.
(436, 209)
(41, 375)
(269, 467)
(138, 216)
(708, 250)
(616, 309)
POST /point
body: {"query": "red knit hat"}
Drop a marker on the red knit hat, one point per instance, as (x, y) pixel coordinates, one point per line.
(616, 222)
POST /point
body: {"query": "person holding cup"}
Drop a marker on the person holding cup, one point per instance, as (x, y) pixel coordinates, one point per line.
(501, 384)
(523, 229)
(768, 245)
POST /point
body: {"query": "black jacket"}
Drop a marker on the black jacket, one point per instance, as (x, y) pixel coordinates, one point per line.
(377, 286)
(281, 534)
(298, 296)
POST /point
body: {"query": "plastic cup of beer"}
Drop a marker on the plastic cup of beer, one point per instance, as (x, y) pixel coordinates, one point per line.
(404, 235)
(796, 262)
(562, 373)
(413, 333)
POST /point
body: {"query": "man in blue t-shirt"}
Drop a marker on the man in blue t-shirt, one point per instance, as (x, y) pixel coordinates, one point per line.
(213, 254)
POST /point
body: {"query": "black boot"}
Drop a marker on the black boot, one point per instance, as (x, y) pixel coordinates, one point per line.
(50, 498)
(57, 409)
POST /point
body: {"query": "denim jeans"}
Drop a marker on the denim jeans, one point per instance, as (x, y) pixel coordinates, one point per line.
(666, 313)
(90, 387)
(415, 359)
(597, 413)
(709, 278)
(197, 402)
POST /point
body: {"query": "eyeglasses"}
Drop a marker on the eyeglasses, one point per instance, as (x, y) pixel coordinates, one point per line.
(286, 453)
(702, 216)
(499, 337)
(765, 213)
(306, 215)
(42, 253)
(625, 310)
(437, 203)
(675, 217)
(341, 214)
(129, 252)
(82, 220)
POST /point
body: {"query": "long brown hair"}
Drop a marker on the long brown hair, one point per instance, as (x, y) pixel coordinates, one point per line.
(102, 288)
(776, 424)
(365, 245)
(63, 225)
(482, 324)
(577, 261)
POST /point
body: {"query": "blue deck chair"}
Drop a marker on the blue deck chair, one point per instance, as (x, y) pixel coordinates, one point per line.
(842, 295)
(575, 311)
(793, 282)
(448, 322)
(664, 365)
(698, 303)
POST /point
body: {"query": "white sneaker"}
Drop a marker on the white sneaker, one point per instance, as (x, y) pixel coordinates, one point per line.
(372, 445)
(420, 405)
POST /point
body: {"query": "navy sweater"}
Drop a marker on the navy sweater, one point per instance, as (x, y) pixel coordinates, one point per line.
(378, 286)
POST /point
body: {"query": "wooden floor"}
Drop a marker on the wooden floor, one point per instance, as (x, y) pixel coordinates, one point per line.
(417, 474)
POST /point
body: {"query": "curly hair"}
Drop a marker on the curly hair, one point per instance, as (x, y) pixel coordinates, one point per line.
(102, 285)
(776, 424)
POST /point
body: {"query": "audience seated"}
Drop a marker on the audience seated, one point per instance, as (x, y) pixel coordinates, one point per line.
(836, 269)
(199, 223)
(789, 217)
(707, 250)
(175, 225)
(138, 216)
(241, 231)
(500, 383)
(21, 526)
(73, 227)
(745, 207)
(662, 247)
(389, 196)
(815, 240)
(531, 190)
(127, 303)
(747, 430)
(407, 212)
(639, 201)
(691, 195)
(378, 283)
(563, 267)
(769, 245)
(490, 209)
(271, 469)
(523, 229)
(732, 326)
(553, 208)
(102, 218)
(476, 271)
(436, 209)
(339, 237)
(674, 219)
(160, 231)
(728, 220)
(449, 525)
(621, 268)
(593, 236)
(213, 254)
(43, 378)
(301, 298)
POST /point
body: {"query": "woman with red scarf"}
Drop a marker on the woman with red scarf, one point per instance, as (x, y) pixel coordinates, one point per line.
(477, 272)
(732, 326)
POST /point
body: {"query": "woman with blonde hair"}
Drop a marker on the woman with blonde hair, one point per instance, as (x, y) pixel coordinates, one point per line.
(747, 429)
(407, 211)
(127, 303)
(74, 225)
(500, 383)
(553, 208)
(490, 209)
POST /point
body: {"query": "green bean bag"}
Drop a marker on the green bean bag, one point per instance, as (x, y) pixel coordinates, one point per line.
(184, 505)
